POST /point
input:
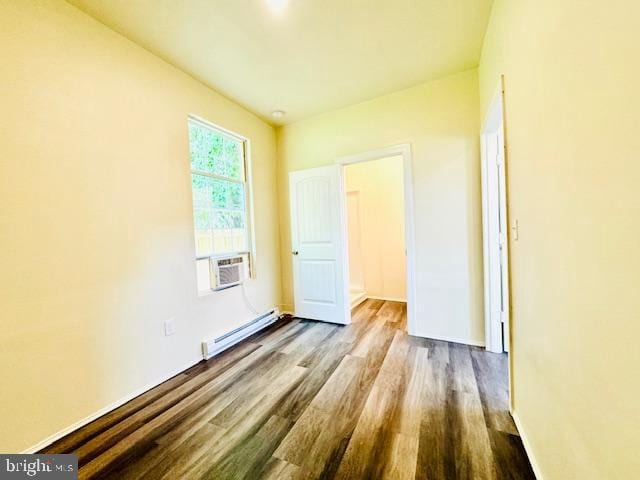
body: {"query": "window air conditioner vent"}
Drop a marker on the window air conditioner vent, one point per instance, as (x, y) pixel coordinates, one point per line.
(229, 271)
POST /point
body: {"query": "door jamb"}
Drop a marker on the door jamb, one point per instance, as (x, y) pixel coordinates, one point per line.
(403, 150)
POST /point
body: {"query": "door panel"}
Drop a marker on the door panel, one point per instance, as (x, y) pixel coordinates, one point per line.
(317, 281)
(497, 283)
(318, 244)
(314, 219)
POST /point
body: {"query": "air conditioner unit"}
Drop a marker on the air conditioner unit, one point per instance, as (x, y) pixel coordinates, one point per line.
(228, 271)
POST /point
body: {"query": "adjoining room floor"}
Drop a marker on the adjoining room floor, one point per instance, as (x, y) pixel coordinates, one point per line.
(307, 399)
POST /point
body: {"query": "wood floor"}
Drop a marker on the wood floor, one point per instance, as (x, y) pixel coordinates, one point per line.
(308, 400)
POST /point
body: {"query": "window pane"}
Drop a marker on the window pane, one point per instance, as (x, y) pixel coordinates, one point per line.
(219, 216)
(204, 242)
(203, 219)
(220, 231)
(209, 193)
(228, 220)
(229, 234)
(233, 165)
(213, 152)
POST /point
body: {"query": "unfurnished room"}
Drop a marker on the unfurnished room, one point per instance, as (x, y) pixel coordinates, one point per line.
(304, 239)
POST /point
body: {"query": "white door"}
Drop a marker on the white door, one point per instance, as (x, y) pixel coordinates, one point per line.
(318, 243)
(497, 286)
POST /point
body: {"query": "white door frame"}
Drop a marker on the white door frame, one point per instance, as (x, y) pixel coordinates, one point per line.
(403, 150)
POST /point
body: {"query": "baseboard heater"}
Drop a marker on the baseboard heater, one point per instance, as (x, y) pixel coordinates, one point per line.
(211, 348)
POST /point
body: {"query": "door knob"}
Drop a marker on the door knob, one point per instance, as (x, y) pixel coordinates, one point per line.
(295, 252)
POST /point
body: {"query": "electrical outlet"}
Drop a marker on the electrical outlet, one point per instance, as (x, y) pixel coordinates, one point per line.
(169, 327)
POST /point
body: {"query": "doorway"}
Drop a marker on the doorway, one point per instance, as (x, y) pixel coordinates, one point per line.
(495, 227)
(375, 232)
(378, 227)
(319, 233)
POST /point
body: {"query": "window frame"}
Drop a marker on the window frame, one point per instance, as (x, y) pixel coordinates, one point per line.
(247, 184)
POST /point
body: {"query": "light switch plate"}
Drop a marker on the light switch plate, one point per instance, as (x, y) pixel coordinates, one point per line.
(515, 227)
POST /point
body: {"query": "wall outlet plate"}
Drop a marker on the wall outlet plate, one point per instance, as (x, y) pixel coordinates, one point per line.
(169, 326)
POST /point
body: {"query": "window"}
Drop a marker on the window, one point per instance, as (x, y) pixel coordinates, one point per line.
(219, 183)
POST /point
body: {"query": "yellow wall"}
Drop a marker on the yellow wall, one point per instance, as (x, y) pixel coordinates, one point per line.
(572, 71)
(440, 120)
(380, 220)
(96, 230)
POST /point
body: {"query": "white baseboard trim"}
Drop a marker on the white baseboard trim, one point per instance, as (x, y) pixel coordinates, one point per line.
(388, 299)
(362, 296)
(118, 403)
(527, 446)
(464, 341)
(357, 302)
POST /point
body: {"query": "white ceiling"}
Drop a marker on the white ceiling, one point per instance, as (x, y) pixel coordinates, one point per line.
(313, 56)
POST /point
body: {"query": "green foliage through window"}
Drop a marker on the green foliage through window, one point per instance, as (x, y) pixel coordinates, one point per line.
(216, 153)
(218, 182)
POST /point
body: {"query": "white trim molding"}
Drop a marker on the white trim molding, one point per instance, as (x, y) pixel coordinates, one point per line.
(362, 296)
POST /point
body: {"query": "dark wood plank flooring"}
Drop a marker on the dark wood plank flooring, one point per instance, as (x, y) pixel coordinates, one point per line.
(308, 400)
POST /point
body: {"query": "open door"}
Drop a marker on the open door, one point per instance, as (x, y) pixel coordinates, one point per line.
(495, 225)
(318, 243)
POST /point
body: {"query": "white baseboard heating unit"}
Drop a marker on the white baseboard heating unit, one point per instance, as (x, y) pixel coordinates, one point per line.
(217, 345)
